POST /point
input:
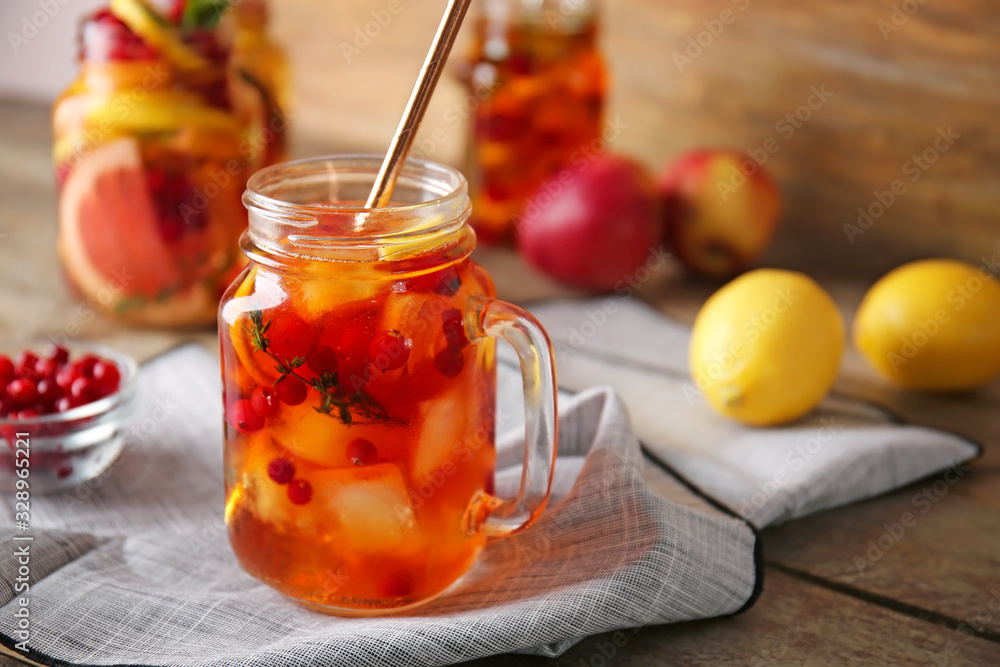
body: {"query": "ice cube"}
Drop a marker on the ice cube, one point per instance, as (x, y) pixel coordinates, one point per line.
(370, 507)
(443, 427)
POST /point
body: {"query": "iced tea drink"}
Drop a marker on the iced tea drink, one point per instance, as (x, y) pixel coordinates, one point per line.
(540, 84)
(152, 151)
(359, 389)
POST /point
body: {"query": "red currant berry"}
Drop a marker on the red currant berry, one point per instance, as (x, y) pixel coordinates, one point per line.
(6, 406)
(65, 404)
(85, 365)
(354, 373)
(48, 392)
(520, 64)
(264, 401)
(46, 368)
(176, 11)
(397, 584)
(449, 362)
(389, 350)
(354, 341)
(290, 390)
(449, 282)
(445, 282)
(58, 354)
(454, 328)
(243, 418)
(27, 413)
(281, 471)
(22, 391)
(26, 362)
(64, 471)
(322, 359)
(107, 376)
(361, 452)
(7, 372)
(84, 389)
(300, 491)
(289, 336)
(65, 377)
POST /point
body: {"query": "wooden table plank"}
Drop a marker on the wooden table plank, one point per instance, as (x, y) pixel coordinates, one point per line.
(933, 546)
(793, 623)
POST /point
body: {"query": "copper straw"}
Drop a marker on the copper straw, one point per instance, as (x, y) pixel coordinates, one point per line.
(410, 122)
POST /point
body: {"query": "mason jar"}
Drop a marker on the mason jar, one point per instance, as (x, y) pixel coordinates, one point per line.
(359, 381)
(151, 160)
(537, 83)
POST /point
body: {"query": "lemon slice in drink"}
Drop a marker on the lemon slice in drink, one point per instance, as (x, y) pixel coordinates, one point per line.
(419, 243)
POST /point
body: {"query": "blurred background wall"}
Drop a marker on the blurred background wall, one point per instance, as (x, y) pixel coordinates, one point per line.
(888, 106)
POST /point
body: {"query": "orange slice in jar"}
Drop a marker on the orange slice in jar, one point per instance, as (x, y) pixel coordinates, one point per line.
(322, 439)
(257, 292)
(151, 26)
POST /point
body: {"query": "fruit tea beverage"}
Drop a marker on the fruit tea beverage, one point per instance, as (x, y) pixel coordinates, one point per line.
(359, 389)
(151, 155)
(539, 83)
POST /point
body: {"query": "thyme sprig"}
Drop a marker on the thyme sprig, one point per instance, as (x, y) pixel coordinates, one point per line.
(335, 397)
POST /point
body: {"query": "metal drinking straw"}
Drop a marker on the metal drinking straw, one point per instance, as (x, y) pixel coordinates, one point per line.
(416, 106)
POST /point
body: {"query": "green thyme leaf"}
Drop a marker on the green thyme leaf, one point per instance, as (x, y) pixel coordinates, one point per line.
(203, 13)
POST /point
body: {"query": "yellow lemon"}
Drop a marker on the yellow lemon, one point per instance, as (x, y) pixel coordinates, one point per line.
(766, 348)
(932, 324)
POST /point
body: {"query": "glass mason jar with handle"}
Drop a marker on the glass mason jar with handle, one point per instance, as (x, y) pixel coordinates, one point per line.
(152, 154)
(537, 83)
(359, 380)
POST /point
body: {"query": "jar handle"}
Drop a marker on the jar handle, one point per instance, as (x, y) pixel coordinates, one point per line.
(487, 514)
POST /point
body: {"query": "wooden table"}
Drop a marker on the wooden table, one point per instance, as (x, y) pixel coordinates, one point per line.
(932, 598)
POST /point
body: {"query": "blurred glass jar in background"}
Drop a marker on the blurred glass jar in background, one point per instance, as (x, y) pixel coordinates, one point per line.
(537, 81)
(153, 145)
(260, 57)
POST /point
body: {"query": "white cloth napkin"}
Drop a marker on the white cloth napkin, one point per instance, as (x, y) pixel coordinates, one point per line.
(135, 568)
(845, 451)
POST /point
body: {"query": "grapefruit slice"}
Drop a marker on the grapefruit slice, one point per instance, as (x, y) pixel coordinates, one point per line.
(111, 246)
(109, 240)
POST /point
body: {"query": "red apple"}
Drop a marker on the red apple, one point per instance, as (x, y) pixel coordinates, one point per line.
(720, 211)
(593, 225)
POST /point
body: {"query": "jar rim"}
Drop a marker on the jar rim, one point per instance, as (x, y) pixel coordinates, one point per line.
(254, 195)
(296, 204)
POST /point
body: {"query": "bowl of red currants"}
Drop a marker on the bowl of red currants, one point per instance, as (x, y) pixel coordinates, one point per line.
(63, 413)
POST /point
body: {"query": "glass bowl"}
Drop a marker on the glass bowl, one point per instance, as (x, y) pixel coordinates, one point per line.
(64, 449)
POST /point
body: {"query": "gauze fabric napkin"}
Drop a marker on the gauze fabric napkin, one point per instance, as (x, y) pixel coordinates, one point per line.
(136, 568)
(845, 451)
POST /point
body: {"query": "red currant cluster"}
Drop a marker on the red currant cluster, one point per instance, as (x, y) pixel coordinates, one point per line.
(337, 372)
(105, 38)
(177, 207)
(31, 386)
